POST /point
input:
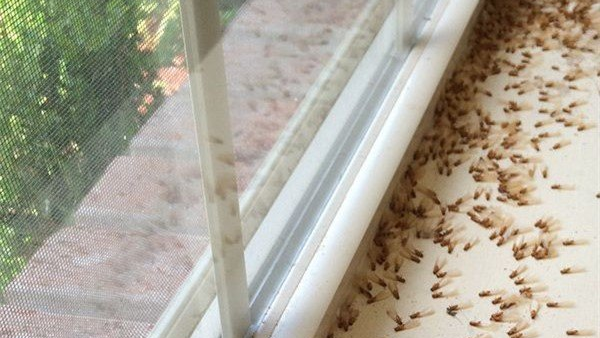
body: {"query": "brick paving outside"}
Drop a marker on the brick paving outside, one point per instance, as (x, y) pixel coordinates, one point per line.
(136, 235)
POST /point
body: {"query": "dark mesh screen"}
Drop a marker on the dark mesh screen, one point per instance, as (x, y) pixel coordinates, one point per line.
(101, 210)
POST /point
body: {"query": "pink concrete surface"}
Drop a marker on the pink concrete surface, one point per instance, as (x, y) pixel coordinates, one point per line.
(106, 273)
(16, 322)
(153, 192)
(274, 51)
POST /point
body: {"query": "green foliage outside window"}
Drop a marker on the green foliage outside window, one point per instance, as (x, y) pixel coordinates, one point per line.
(73, 75)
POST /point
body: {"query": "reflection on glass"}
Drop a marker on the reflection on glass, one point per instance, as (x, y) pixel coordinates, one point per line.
(274, 53)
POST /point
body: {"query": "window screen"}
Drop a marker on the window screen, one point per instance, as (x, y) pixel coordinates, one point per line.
(101, 207)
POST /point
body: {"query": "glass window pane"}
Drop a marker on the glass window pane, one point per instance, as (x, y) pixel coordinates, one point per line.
(274, 53)
(286, 64)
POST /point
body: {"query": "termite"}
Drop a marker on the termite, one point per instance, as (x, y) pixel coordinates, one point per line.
(415, 315)
(497, 300)
(365, 292)
(441, 274)
(500, 241)
(572, 332)
(378, 280)
(560, 144)
(497, 317)
(552, 304)
(467, 246)
(382, 295)
(568, 242)
(430, 194)
(518, 255)
(560, 187)
(450, 247)
(527, 293)
(452, 310)
(400, 328)
(582, 127)
(394, 290)
(436, 267)
(479, 208)
(505, 306)
(514, 330)
(485, 293)
(533, 314)
(475, 323)
(565, 271)
(395, 317)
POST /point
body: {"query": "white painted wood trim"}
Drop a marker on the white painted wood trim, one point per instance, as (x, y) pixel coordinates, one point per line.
(204, 54)
(319, 283)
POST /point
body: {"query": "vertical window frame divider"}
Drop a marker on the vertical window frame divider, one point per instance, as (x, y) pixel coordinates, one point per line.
(204, 55)
(404, 34)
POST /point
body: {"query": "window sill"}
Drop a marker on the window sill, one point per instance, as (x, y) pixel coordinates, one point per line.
(296, 311)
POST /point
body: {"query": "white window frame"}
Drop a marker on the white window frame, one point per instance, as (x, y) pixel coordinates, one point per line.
(370, 175)
(194, 311)
(204, 54)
